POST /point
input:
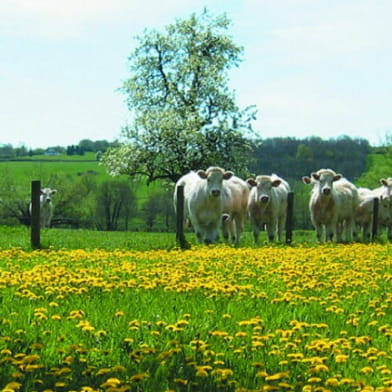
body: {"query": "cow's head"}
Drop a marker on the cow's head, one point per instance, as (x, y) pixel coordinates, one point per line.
(325, 178)
(46, 194)
(264, 185)
(387, 184)
(214, 177)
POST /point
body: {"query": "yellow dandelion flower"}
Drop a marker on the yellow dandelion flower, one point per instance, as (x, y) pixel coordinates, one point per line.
(366, 370)
(140, 377)
(340, 358)
(240, 334)
(268, 388)
(277, 376)
(30, 358)
(181, 381)
(346, 381)
(319, 368)
(13, 385)
(182, 323)
(201, 372)
(285, 385)
(313, 380)
(111, 383)
(103, 371)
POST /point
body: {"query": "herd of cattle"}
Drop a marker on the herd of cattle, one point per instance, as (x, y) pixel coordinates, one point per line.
(216, 200)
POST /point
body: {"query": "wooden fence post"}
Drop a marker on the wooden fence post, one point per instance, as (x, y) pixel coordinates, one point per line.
(180, 237)
(375, 219)
(289, 218)
(35, 214)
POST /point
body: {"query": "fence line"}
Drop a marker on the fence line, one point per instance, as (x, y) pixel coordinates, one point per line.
(35, 214)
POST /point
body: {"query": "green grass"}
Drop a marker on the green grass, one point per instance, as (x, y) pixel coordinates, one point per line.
(20, 236)
(211, 319)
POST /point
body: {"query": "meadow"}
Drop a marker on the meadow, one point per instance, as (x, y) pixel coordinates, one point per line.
(131, 312)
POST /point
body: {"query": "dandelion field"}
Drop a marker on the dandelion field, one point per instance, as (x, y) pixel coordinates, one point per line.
(276, 318)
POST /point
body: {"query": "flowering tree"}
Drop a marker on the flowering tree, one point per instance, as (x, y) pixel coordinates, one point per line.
(184, 115)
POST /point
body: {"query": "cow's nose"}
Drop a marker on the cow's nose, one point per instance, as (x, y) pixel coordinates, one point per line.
(264, 199)
(216, 192)
(326, 191)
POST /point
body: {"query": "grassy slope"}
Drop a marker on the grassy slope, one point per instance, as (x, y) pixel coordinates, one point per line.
(43, 167)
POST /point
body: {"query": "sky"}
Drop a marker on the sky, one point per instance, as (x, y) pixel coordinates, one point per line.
(312, 67)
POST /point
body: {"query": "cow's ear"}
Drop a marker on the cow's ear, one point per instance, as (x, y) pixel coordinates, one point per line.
(227, 175)
(383, 181)
(337, 177)
(202, 174)
(251, 181)
(41, 192)
(306, 180)
(53, 192)
(276, 182)
(315, 176)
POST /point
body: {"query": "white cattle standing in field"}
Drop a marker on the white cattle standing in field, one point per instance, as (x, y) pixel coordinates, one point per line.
(204, 200)
(267, 205)
(46, 206)
(364, 212)
(235, 203)
(332, 204)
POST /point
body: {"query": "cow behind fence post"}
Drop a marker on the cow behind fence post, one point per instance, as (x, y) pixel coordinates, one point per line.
(375, 219)
(289, 218)
(35, 214)
(180, 237)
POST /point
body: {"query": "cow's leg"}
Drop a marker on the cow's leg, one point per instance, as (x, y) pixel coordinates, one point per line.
(239, 227)
(357, 230)
(199, 236)
(330, 230)
(281, 226)
(271, 229)
(319, 232)
(339, 231)
(366, 232)
(349, 230)
(256, 232)
(389, 233)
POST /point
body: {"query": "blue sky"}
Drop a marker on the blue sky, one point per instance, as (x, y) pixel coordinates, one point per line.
(312, 67)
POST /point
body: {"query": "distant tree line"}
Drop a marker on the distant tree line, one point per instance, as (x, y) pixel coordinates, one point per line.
(292, 158)
(7, 151)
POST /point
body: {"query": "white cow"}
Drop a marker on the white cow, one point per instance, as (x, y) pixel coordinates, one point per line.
(46, 206)
(204, 201)
(235, 203)
(267, 205)
(364, 212)
(332, 204)
(385, 190)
